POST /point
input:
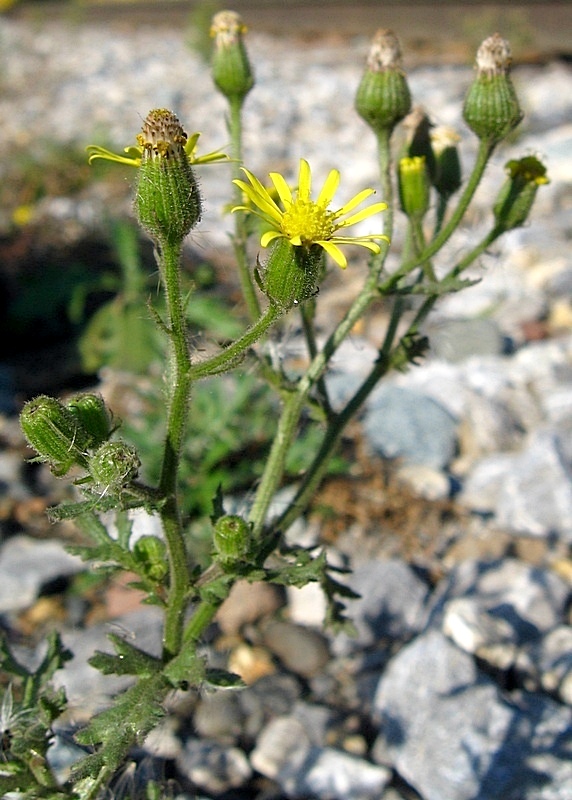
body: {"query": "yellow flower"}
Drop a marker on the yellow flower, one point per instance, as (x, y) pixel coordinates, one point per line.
(305, 222)
(135, 153)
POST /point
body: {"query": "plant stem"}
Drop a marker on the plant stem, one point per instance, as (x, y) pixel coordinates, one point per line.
(295, 401)
(484, 153)
(180, 386)
(231, 354)
(240, 237)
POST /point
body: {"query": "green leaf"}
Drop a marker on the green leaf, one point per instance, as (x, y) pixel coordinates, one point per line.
(222, 680)
(186, 668)
(117, 729)
(130, 660)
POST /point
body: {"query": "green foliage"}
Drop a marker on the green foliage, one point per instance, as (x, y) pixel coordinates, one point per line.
(28, 709)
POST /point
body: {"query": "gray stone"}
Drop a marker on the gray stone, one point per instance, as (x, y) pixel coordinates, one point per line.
(411, 427)
(456, 340)
(390, 605)
(547, 663)
(450, 734)
(219, 716)
(271, 696)
(529, 492)
(530, 599)
(27, 564)
(212, 766)
(285, 754)
(479, 632)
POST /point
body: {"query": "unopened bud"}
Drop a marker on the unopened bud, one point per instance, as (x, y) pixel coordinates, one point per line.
(113, 466)
(291, 274)
(167, 200)
(383, 97)
(231, 69)
(151, 553)
(417, 127)
(92, 414)
(232, 540)
(518, 193)
(55, 433)
(447, 174)
(414, 186)
(491, 106)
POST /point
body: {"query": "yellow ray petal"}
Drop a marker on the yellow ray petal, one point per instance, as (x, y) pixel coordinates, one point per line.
(304, 180)
(329, 189)
(282, 188)
(335, 253)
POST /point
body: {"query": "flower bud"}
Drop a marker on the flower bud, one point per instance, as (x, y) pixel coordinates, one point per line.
(291, 273)
(517, 195)
(230, 65)
(383, 97)
(414, 186)
(151, 553)
(167, 199)
(417, 127)
(55, 433)
(447, 175)
(114, 465)
(232, 540)
(491, 106)
(92, 414)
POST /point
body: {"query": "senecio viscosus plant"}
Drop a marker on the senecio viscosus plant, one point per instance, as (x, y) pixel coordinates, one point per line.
(281, 261)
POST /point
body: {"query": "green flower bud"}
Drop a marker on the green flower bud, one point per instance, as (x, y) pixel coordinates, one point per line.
(517, 195)
(292, 273)
(383, 97)
(151, 553)
(417, 127)
(447, 176)
(55, 433)
(230, 65)
(232, 540)
(414, 186)
(491, 106)
(114, 465)
(92, 414)
(167, 200)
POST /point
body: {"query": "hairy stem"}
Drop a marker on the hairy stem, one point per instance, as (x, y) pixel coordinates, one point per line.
(180, 386)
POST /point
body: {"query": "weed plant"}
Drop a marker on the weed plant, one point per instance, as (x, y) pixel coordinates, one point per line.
(285, 239)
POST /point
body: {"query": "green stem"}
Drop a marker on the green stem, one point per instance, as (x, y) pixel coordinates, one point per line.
(240, 237)
(484, 153)
(228, 357)
(317, 469)
(295, 401)
(336, 425)
(307, 314)
(180, 380)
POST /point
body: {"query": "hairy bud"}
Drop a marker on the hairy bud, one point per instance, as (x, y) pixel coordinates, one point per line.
(383, 97)
(167, 199)
(491, 106)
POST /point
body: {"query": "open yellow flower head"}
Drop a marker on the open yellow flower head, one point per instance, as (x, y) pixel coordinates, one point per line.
(305, 222)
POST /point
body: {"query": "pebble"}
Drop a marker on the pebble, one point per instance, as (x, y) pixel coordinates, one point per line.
(27, 565)
(285, 753)
(302, 650)
(212, 767)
